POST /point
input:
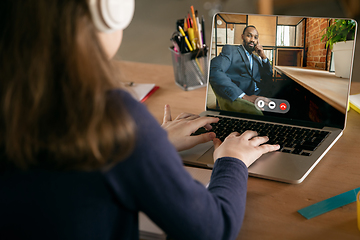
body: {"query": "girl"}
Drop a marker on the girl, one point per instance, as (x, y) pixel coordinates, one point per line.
(80, 158)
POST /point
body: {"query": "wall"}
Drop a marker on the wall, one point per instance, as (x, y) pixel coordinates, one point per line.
(315, 48)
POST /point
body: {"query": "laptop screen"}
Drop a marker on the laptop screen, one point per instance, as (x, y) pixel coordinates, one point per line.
(281, 67)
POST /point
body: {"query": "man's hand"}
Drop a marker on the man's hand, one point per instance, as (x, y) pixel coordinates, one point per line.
(180, 129)
(260, 51)
(251, 98)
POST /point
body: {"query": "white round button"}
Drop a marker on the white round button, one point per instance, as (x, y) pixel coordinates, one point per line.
(272, 105)
(261, 103)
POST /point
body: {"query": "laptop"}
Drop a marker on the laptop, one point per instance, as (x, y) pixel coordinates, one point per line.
(301, 105)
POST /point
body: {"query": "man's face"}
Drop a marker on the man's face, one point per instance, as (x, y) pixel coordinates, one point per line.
(250, 39)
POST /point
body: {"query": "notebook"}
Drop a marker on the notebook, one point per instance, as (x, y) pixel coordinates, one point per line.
(296, 100)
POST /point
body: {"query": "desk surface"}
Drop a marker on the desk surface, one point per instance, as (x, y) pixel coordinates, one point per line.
(323, 84)
(271, 210)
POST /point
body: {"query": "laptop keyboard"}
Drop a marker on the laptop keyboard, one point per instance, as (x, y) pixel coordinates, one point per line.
(294, 140)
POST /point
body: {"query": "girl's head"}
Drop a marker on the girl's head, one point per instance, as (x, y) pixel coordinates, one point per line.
(110, 17)
(54, 75)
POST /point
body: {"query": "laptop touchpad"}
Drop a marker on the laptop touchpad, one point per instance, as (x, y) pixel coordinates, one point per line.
(196, 152)
(208, 158)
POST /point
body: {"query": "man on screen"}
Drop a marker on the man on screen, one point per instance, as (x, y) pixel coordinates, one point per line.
(236, 73)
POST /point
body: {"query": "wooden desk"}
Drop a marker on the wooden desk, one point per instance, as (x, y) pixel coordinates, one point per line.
(323, 84)
(271, 210)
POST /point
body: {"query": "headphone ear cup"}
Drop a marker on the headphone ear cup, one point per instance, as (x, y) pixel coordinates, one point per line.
(111, 15)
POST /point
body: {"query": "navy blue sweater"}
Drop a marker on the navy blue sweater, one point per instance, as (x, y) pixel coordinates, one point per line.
(43, 204)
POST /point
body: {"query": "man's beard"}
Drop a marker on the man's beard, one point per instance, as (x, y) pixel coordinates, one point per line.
(248, 47)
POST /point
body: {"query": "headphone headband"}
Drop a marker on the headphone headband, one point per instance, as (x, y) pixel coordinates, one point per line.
(111, 15)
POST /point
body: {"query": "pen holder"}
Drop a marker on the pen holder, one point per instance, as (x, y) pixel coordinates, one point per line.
(190, 69)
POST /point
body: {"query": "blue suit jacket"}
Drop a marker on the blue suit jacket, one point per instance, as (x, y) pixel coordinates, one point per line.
(230, 73)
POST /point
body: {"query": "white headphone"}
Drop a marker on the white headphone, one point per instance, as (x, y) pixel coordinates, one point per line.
(111, 15)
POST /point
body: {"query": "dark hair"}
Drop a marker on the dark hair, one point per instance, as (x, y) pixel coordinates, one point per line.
(54, 81)
(249, 26)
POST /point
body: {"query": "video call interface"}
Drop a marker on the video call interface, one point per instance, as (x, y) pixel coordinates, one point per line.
(291, 74)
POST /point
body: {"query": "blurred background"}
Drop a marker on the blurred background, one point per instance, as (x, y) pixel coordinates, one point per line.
(147, 39)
